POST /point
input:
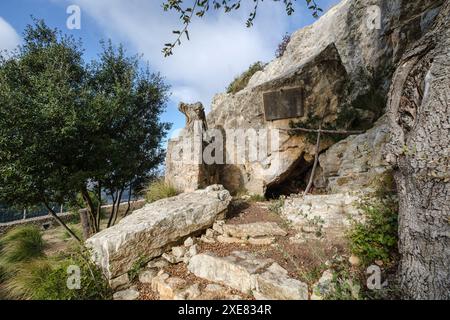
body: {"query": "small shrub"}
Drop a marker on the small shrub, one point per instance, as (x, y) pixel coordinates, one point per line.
(283, 46)
(376, 238)
(257, 198)
(46, 279)
(276, 205)
(241, 81)
(75, 229)
(21, 244)
(137, 266)
(160, 190)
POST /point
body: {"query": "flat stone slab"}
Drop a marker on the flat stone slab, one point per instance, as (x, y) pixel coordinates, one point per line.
(246, 272)
(324, 215)
(253, 230)
(129, 294)
(150, 231)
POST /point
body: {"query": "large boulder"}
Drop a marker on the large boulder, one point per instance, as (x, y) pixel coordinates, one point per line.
(356, 163)
(250, 274)
(321, 216)
(152, 230)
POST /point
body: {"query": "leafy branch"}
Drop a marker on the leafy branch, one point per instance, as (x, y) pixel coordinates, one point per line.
(201, 7)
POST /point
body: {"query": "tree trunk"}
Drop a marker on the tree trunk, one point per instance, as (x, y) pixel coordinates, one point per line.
(61, 223)
(85, 225)
(91, 211)
(419, 115)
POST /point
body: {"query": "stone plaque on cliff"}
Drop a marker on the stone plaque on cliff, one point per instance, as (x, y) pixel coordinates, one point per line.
(283, 104)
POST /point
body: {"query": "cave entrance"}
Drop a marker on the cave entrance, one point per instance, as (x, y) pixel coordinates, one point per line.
(294, 180)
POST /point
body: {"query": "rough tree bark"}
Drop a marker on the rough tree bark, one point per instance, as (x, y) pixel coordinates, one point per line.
(419, 115)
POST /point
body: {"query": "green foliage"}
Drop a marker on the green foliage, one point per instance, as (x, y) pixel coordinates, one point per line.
(67, 127)
(376, 238)
(75, 229)
(257, 198)
(45, 279)
(345, 286)
(241, 81)
(276, 205)
(158, 190)
(21, 244)
(199, 8)
(137, 266)
(79, 203)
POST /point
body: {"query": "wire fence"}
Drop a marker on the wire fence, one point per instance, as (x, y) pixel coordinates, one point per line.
(8, 214)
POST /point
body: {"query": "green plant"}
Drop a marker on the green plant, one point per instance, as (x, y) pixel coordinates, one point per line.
(20, 245)
(199, 8)
(47, 279)
(158, 190)
(257, 198)
(89, 129)
(276, 205)
(75, 229)
(241, 81)
(137, 267)
(376, 238)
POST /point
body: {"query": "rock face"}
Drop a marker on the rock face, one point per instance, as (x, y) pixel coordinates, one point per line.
(150, 231)
(419, 118)
(245, 272)
(344, 61)
(356, 163)
(320, 216)
(321, 79)
(185, 168)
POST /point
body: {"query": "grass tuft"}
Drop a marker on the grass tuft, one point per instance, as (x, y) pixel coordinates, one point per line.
(158, 190)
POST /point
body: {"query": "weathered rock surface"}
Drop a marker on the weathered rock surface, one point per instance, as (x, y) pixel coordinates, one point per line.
(236, 271)
(322, 59)
(319, 216)
(253, 230)
(323, 287)
(275, 284)
(322, 79)
(168, 287)
(246, 272)
(147, 276)
(356, 163)
(120, 282)
(150, 231)
(185, 168)
(129, 294)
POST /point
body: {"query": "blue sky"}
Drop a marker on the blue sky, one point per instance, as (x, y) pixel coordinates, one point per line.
(220, 48)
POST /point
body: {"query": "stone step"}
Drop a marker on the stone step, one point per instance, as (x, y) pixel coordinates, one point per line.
(245, 271)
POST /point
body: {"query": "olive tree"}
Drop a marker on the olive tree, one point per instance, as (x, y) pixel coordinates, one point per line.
(69, 129)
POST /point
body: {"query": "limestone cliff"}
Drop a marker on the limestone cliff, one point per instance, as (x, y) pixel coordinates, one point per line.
(343, 65)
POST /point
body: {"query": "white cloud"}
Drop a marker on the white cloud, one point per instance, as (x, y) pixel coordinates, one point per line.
(9, 39)
(220, 48)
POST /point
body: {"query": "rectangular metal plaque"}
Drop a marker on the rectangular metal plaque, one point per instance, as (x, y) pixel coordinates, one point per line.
(283, 104)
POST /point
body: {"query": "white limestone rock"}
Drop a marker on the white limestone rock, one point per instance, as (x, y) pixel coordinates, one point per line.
(149, 231)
